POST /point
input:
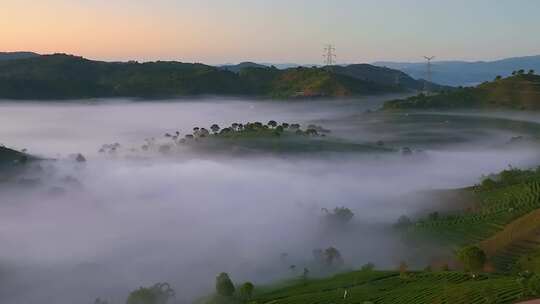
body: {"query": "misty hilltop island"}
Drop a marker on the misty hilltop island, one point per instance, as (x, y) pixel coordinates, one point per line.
(60, 76)
(253, 138)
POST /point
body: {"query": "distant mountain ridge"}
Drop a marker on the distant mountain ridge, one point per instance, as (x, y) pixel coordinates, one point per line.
(62, 76)
(17, 55)
(236, 68)
(463, 73)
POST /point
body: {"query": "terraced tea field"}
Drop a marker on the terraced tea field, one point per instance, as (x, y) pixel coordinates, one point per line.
(390, 287)
(493, 210)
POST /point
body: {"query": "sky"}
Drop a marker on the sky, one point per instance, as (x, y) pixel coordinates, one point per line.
(277, 31)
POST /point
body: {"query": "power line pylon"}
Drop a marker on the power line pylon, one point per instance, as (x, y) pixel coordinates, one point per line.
(329, 55)
(428, 81)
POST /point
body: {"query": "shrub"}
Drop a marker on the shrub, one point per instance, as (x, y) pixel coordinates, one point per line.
(472, 257)
(246, 290)
(533, 285)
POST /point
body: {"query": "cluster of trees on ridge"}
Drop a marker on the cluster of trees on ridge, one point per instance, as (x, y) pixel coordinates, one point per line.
(235, 130)
(521, 91)
(61, 76)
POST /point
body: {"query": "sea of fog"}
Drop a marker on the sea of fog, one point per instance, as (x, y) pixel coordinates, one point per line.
(114, 223)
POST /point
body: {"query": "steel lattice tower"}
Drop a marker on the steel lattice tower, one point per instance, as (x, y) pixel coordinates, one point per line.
(329, 55)
(429, 73)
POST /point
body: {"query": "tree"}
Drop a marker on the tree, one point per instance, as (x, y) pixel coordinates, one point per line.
(472, 257)
(499, 77)
(258, 125)
(293, 268)
(272, 123)
(332, 257)
(160, 293)
(225, 131)
(339, 215)
(531, 72)
(203, 132)
(521, 72)
(224, 285)
(215, 128)
(246, 290)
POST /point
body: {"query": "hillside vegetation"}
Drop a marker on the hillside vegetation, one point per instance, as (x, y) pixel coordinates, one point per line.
(499, 260)
(503, 219)
(518, 92)
(62, 76)
(413, 287)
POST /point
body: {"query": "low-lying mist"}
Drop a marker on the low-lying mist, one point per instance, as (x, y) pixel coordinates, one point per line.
(107, 226)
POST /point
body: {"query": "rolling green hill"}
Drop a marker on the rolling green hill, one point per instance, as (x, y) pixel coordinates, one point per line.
(385, 76)
(518, 92)
(311, 82)
(62, 76)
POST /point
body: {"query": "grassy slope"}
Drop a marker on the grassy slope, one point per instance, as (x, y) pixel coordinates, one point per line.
(520, 92)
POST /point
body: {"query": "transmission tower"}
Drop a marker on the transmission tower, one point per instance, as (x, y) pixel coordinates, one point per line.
(329, 55)
(428, 80)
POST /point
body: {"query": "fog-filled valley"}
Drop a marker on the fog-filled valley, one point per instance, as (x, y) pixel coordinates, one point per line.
(75, 231)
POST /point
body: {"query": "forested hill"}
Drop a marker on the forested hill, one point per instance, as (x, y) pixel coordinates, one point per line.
(518, 92)
(386, 76)
(61, 76)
